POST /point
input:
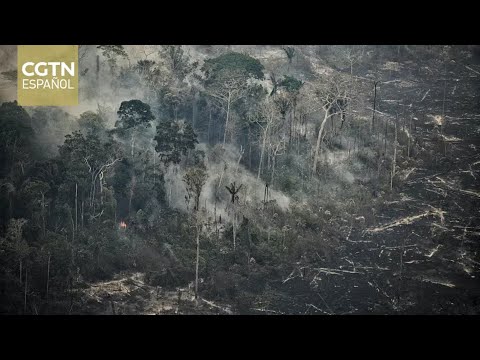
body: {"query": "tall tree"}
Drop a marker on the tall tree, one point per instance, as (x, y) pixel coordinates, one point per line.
(177, 61)
(134, 116)
(86, 159)
(290, 52)
(331, 92)
(174, 139)
(266, 118)
(91, 123)
(16, 136)
(195, 179)
(228, 78)
(113, 53)
(291, 87)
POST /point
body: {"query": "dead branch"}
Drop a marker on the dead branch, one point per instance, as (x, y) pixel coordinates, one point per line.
(316, 308)
(407, 221)
(211, 304)
(269, 311)
(336, 271)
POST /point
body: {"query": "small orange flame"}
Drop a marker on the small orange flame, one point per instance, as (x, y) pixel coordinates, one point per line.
(123, 225)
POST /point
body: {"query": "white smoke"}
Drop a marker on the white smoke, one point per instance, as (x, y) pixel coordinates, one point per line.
(223, 168)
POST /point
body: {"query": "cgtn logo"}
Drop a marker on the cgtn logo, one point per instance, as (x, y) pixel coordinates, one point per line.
(47, 75)
(43, 70)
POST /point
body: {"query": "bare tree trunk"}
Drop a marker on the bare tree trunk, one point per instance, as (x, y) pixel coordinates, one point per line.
(290, 128)
(112, 304)
(133, 143)
(226, 121)
(13, 154)
(215, 215)
(394, 158)
(98, 66)
(25, 296)
(194, 109)
(234, 229)
(43, 213)
(293, 129)
(48, 276)
(401, 258)
(409, 136)
(100, 183)
(265, 197)
(385, 139)
(197, 261)
(379, 166)
(221, 177)
(269, 156)
(249, 149)
(319, 138)
(374, 103)
(209, 124)
(76, 206)
(262, 153)
(179, 300)
(10, 206)
(399, 291)
(73, 238)
(332, 126)
(94, 190)
(132, 187)
(242, 151)
(444, 90)
(273, 169)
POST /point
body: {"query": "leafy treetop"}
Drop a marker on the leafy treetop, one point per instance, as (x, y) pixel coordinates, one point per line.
(134, 113)
(174, 138)
(232, 64)
(291, 84)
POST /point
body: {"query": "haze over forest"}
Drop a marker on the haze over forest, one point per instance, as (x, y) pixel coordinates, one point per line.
(245, 179)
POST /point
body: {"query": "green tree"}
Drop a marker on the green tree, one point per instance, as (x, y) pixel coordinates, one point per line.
(134, 116)
(112, 53)
(174, 139)
(291, 85)
(229, 78)
(179, 63)
(14, 245)
(86, 160)
(195, 179)
(290, 52)
(230, 65)
(287, 101)
(34, 193)
(91, 123)
(16, 136)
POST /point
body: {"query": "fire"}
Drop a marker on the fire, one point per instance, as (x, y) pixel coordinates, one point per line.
(123, 225)
(439, 120)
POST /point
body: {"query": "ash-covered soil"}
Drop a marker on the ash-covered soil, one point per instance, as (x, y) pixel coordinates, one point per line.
(128, 294)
